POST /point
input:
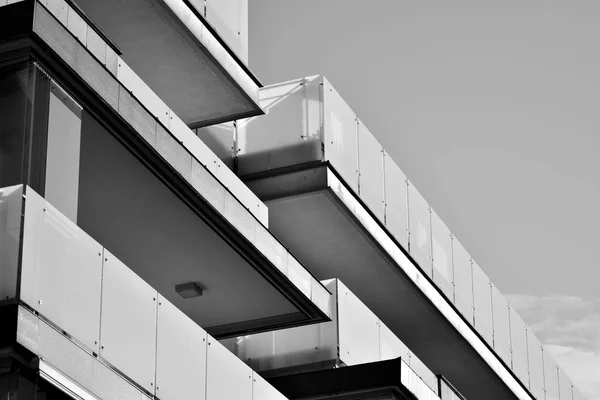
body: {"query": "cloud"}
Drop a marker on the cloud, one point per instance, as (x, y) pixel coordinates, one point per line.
(569, 327)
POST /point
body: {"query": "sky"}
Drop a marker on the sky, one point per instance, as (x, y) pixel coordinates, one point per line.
(492, 111)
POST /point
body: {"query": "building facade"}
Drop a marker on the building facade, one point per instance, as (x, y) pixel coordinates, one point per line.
(171, 229)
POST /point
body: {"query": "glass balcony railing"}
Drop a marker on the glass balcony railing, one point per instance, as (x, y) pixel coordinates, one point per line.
(314, 124)
(88, 304)
(230, 19)
(354, 336)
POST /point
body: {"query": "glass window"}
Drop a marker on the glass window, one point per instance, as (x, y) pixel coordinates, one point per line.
(15, 103)
(62, 159)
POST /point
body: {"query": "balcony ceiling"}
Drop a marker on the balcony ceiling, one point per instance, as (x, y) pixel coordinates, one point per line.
(306, 216)
(142, 222)
(171, 60)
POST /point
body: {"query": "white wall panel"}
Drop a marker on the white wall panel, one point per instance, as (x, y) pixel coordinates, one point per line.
(128, 325)
(10, 234)
(340, 136)
(61, 271)
(226, 376)
(370, 166)
(358, 329)
(396, 201)
(180, 355)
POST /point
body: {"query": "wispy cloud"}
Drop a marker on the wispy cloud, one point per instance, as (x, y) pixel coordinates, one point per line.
(569, 327)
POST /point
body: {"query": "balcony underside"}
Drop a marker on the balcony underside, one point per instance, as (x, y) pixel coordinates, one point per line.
(306, 214)
(376, 381)
(135, 216)
(181, 70)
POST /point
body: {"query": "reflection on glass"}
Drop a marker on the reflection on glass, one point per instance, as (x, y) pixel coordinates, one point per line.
(15, 102)
(62, 160)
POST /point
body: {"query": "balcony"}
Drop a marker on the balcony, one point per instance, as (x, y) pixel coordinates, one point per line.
(97, 327)
(164, 203)
(341, 203)
(173, 46)
(355, 336)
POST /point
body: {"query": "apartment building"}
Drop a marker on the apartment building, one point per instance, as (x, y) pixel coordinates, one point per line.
(162, 238)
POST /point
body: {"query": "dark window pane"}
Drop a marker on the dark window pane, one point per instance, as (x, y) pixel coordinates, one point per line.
(15, 102)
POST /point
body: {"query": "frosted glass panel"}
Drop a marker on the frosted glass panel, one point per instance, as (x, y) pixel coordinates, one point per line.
(419, 226)
(396, 201)
(423, 372)
(441, 242)
(414, 383)
(180, 355)
(482, 295)
(577, 395)
(294, 113)
(358, 329)
(390, 346)
(230, 20)
(61, 271)
(62, 158)
(340, 136)
(564, 385)
(536, 365)
(463, 280)
(518, 339)
(128, 326)
(10, 233)
(500, 313)
(550, 376)
(262, 390)
(370, 165)
(226, 376)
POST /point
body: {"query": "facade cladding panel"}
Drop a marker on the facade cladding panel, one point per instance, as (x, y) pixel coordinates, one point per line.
(100, 329)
